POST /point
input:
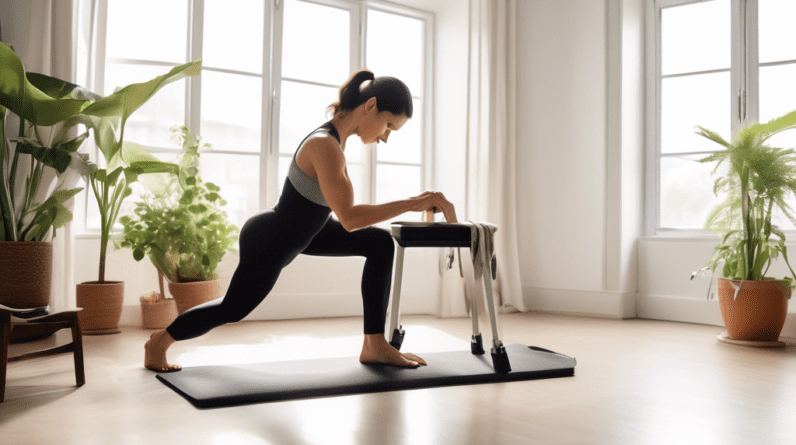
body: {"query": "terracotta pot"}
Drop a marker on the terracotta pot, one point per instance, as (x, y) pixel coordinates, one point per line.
(188, 295)
(26, 273)
(158, 315)
(102, 306)
(759, 311)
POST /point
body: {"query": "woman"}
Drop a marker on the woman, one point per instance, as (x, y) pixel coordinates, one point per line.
(317, 185)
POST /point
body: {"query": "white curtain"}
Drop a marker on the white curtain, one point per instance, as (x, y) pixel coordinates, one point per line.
(491, 159)
(43, 39)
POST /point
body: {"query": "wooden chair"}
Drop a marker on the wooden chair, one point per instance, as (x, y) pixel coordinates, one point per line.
(44, 325)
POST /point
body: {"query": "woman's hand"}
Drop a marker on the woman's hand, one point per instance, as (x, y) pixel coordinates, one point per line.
(436, 201)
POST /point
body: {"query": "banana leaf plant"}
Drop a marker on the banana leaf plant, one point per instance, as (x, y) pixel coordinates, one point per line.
(106, 117)
(759, 177)
(45, 103)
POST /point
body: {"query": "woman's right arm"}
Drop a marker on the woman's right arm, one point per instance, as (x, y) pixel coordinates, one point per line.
(329, 164)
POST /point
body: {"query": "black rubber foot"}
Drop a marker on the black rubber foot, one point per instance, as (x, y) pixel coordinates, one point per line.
(477, 345)
(397, 338)
(501, 360)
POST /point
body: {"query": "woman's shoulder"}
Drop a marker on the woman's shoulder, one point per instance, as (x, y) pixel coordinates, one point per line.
(320, 150)
(322, 144)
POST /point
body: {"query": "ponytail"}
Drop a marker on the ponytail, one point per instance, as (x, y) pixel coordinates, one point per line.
(391, 94)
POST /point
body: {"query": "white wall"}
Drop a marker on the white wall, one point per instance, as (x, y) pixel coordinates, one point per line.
(561, 140)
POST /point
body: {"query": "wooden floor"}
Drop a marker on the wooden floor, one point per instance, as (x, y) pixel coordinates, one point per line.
(636, 382)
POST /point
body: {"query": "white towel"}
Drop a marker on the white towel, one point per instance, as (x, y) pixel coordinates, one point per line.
(479, 230)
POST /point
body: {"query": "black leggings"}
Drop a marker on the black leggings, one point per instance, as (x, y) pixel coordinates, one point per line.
(270, 240)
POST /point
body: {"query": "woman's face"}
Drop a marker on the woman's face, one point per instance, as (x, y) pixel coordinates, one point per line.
(376, 125)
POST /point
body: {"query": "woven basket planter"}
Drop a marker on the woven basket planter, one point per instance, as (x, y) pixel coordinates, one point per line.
(26, 269)
(102, 306)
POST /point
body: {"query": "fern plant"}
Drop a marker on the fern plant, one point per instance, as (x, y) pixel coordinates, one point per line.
(759, 177)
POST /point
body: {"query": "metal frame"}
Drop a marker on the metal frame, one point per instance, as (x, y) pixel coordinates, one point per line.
(395, 329)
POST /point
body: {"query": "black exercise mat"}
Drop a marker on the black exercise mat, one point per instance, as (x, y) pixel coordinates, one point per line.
(218, 386)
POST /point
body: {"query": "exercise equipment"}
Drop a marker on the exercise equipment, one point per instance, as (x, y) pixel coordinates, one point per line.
(228, 385)
(440, 234)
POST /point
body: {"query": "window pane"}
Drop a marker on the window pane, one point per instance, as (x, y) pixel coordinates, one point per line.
(404, 145)
(233, 35)
(776, 30)
(238, 177)
(778, 97)
(231, 111)
(148, 30)
(395, 48)
(302, 109)
(315, 43)
(150, 124)
(694, 100)
(396, 182)
(687, 192)
(695, 37)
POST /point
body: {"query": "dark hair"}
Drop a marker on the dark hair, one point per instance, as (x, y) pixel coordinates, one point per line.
(391, 94)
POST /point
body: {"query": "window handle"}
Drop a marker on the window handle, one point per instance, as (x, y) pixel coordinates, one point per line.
(744, 105)
(740, 107)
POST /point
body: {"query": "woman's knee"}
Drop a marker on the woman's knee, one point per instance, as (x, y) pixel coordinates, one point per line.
(380, 242)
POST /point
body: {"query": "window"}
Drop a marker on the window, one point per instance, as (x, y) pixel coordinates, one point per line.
(720, 64)
(269, 70)
(344, 37)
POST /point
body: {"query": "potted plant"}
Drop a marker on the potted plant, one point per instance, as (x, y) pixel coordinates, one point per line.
(182, 228)
(46, 161)
(102, 300)
(759, 177)
(157, 311)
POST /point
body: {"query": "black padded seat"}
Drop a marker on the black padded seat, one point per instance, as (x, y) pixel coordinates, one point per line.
(428, 234)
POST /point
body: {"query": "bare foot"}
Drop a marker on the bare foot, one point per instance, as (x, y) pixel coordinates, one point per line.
(376, 349)
(155, 352)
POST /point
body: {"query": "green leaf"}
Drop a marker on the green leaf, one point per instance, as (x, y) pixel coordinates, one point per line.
(60, 89)
(713, 136)
(114, 176)
(51, 157)
(24, 99)
(111, 113)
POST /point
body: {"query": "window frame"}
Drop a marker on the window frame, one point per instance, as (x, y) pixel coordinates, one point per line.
(271, 85)
(744, 95)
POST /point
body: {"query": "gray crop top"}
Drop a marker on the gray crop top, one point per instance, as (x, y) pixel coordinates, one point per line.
(303, 183)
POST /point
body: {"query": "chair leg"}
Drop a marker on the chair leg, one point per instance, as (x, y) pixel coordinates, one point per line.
(476, 342)
(395, 330)
(5, 336)
(500, 359)
(77, 339)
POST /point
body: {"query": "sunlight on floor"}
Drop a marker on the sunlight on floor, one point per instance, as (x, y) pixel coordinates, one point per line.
(274, 348)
